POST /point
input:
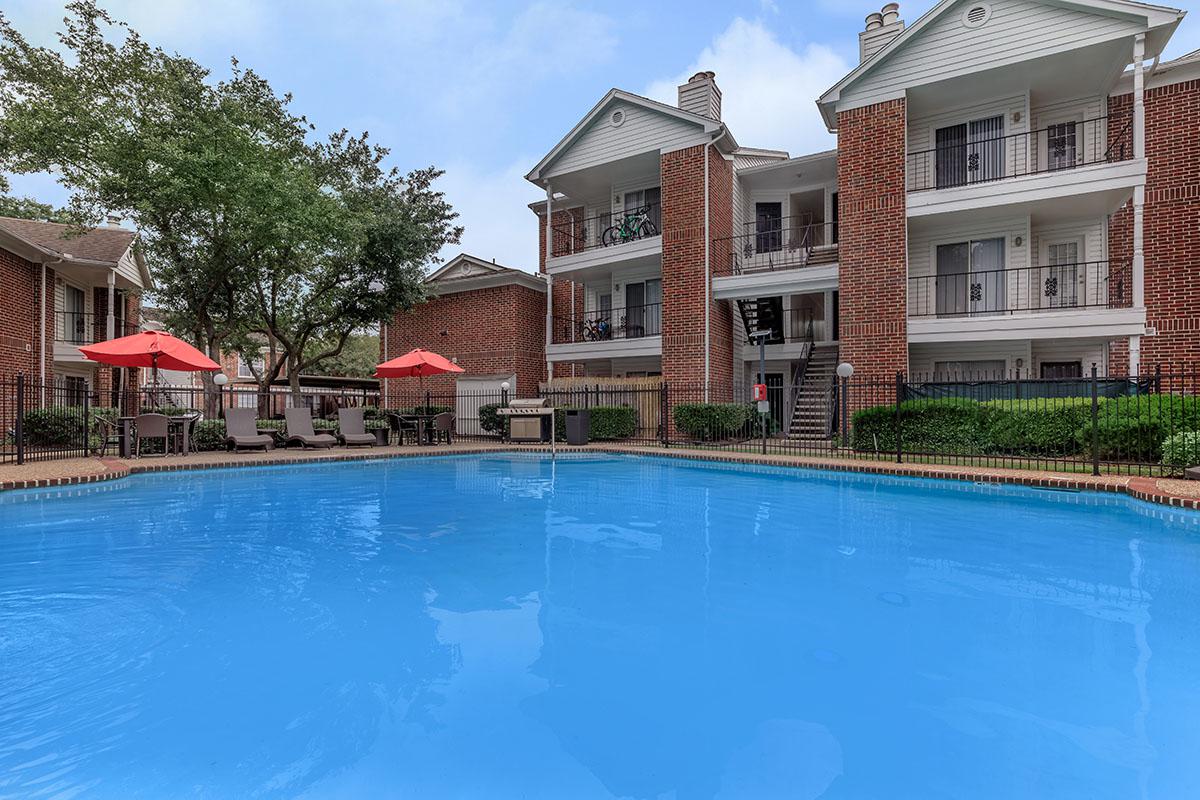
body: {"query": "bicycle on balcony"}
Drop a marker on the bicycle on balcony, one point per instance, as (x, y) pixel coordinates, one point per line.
(633, 225)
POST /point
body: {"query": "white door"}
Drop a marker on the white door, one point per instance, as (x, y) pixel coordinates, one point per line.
(471, 392)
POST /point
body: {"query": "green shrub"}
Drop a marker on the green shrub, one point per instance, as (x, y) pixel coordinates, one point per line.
(952, 425)
(708, 422)
(209, 434)
(1182, 449)
(1134, 428)
(1036, 427)
(605, 423)
(490, 420)
(55, 427)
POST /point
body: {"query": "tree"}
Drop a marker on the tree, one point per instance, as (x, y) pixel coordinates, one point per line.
(253, 231)
(28, 208)
(357, 359)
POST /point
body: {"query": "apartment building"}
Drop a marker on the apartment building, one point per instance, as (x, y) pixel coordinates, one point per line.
(1015, 190)
(62, 290)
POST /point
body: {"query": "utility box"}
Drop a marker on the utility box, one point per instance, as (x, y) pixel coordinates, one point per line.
(579, 423)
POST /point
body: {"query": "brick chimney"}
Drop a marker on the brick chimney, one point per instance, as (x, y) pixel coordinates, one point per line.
(882, 26)
(700, 95)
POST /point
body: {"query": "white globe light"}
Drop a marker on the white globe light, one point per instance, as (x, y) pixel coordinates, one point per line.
(845, 369)
(220, 379)
(504, 386)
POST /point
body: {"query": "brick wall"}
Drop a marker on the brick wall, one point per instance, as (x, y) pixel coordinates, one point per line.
(20, 333)
(1171, 233)
(685, 291)
(872, 248)
(490, 331)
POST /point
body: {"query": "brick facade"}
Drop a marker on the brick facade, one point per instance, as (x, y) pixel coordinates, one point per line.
(686, 293)
(490, 331)
(1171, 225)
(20, 333)
(873, 240)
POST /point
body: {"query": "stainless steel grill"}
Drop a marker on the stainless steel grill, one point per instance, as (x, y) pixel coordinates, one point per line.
(531, 420)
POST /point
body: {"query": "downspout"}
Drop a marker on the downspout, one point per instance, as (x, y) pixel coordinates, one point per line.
(707, 281)
(383, 401)
(42, 346)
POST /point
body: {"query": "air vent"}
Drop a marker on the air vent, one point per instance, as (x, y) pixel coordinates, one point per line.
(617, 118)
(976, 15)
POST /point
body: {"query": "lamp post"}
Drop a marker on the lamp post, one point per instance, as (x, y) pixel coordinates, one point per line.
(219, 380)
(504, 387)
(845, 370)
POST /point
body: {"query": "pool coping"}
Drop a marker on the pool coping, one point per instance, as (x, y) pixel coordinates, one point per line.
(1137, 487)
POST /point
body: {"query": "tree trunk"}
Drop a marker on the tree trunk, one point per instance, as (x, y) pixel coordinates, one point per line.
(294, 381)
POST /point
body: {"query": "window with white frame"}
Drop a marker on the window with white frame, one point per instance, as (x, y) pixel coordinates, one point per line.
(1060, 283)
(244, 368)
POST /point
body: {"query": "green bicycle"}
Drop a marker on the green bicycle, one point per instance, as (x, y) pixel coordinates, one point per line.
(633, 225)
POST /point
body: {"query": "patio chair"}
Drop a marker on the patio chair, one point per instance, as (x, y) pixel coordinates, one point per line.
(300, 429)
(108, 433)
(403, 426)
(443, 424)
(351, 430)
(184, 432)
(241, 432)
(152, 426)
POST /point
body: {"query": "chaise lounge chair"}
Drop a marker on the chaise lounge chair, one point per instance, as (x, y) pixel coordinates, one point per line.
(241, 431)
(300, 429)
(351, 430)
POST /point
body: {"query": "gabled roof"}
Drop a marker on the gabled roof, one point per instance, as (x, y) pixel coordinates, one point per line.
(465, 272)
(703, 124)
(1152, 15)
(53, 241)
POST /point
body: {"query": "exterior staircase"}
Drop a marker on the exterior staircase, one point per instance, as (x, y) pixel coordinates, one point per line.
(812, 414)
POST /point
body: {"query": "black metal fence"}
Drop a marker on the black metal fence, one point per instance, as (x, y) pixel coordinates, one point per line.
(1143, 425)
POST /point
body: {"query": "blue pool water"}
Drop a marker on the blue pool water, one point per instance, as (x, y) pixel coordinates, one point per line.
(508, 627)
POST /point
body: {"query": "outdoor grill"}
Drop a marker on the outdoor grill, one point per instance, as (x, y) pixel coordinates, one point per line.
(531, 420)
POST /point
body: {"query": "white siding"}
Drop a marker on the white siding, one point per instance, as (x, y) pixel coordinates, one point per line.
(1091, 131)
(922, 358)
(1085, 351)
(1017, 31)
(1092, 277)
(643, 131)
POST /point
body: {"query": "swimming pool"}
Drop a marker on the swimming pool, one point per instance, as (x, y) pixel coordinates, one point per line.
(599, 626)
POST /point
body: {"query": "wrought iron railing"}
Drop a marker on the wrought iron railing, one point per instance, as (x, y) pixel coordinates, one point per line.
(630, 322)
(789, 243)
(610, 229)
(1062, 287)
(1057, 147)
(78, 327)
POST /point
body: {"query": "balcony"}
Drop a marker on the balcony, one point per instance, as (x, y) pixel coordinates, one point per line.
(607, 239)
(608, 333)
(1044, 165)
(784, 256)
(1093, 298)
(75, 328)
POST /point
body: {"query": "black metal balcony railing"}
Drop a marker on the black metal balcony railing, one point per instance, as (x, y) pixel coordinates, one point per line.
(791, 326)
(1062, 146)
(632, 322)
(1092, 284)
(610, 229)
(787, 243)
(77, 327)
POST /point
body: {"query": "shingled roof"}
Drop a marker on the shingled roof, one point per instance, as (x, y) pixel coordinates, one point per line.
(99, 245)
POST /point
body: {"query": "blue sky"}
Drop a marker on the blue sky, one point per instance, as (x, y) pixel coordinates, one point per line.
(484, 89)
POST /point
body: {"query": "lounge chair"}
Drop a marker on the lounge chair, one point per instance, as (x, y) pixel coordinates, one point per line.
(443, 425)
(241, 431)
(300, 429)
(152, 426)
(351, 430)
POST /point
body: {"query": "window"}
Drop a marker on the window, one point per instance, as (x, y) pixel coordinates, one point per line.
(74, 316)
(1060, 281)
(649, 199)
(244, 370)
(768, 227)
(1061, 369)
(968, 370)
(1061, 146)
(74, 390)
(970, 277)
(970, 153)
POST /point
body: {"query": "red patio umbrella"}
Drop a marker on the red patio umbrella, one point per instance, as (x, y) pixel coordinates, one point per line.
(152, 349)
(416, 362)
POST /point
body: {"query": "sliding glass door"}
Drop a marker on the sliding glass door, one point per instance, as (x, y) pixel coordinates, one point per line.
(971, 278)
(970, 152)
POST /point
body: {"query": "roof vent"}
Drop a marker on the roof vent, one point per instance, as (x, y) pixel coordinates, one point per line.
(882, 27)
(976, 15)
(617, 118)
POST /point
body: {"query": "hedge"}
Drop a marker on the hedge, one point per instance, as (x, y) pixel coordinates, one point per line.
(951, 425)
(606, 423)
(708, 422)
(1043, 426)
(410, 410)
(1182, 449)
(490, 420)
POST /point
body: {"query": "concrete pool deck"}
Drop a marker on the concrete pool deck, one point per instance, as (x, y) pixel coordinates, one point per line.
(73, 471)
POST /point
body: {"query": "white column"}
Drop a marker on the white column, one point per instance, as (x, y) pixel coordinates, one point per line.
(1139, 151)
(110, 324)
(828, 313)
(1135, 354)
(549, 278)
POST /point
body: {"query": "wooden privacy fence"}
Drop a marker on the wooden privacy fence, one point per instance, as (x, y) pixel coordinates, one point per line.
(644, 395)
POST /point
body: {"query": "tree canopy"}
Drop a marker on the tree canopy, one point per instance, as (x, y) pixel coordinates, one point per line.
(255, 228)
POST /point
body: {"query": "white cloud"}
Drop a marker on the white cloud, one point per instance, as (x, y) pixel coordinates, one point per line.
(769, 90)
(493, 209)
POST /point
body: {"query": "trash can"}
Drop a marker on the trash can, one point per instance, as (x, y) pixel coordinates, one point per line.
(579, 422)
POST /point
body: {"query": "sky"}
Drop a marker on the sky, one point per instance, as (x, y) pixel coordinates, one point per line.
(484, 88)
